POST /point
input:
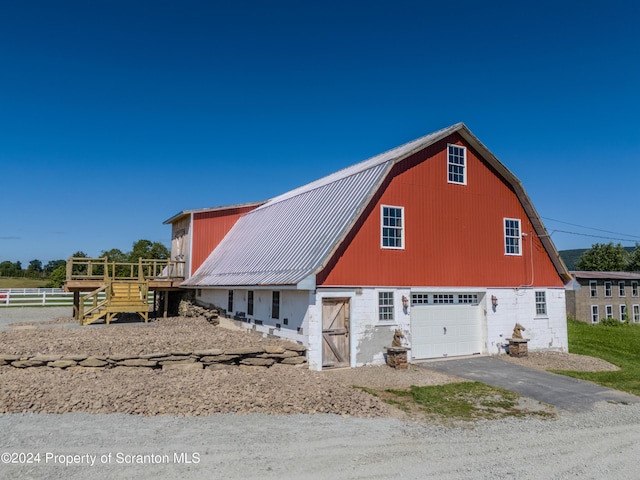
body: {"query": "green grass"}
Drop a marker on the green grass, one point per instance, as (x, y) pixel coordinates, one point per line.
(618, 345)
(465, 401)
(19, 282)
(468, 401)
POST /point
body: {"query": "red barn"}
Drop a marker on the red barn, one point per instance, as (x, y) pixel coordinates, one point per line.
(436, 238)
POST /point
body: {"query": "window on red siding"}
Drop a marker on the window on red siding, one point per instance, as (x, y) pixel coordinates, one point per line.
(512, 236)
(457, 164)
(392, 221)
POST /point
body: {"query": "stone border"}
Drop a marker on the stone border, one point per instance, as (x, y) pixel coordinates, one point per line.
(214, 359)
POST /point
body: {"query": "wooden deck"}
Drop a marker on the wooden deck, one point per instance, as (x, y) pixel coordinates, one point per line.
(113, 287)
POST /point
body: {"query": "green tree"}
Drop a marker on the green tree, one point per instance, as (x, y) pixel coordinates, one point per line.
(52, 265)
(118, 256)
(79, 269)
(634, 259)
(115, 255)
(35, 268)
(148, 249)
(8, 269)
(58, 276)
(604, 258)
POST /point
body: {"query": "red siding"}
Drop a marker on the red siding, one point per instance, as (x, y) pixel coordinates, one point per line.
(209, 228)
(454, 234)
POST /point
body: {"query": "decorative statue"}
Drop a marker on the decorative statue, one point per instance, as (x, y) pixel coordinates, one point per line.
(397, 339)
(517, 331)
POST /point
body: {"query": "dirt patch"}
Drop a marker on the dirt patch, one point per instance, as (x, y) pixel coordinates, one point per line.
(383, 377)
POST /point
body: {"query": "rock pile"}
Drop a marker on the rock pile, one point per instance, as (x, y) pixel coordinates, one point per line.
(189, 309)
(215, 359)
(144, 391)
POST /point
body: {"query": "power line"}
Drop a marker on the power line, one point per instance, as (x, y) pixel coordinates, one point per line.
(593, 236)
(591, 228)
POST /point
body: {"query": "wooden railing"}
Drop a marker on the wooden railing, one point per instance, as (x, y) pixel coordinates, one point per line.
(81, 268)
(96, 305)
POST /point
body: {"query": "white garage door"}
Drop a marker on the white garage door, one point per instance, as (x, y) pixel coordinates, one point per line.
(445, 330)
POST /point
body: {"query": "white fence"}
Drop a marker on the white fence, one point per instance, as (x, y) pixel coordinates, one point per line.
(42, 297)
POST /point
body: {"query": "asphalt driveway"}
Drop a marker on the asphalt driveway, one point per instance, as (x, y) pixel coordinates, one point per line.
(558, 390)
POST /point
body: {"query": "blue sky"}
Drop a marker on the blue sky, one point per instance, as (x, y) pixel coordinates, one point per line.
(114, 116)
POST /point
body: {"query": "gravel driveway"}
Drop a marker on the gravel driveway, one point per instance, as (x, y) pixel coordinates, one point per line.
(209, 443)
(601, 444)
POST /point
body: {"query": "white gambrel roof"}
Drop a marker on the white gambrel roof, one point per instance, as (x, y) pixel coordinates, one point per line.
(290, 238)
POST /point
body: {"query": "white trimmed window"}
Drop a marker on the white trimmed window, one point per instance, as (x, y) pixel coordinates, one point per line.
(275, 305)
(385, 307)
(621, 288)
(541, 303)
(457, 164)
(607, 289)
(623, 312)
(609, 310)
(392, 222)
(443, 298)
(593, 288)
(634, 289)
(230, 302)
(595, 314)
(512, 236)
(419, 299)
(636, 313)
(250, 302)
(468, 298)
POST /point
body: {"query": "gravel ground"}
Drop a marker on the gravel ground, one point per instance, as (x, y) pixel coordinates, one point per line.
(278, 390)
(601, 444)
(188, 425)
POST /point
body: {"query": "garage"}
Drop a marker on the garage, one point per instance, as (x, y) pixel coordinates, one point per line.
(445, 325)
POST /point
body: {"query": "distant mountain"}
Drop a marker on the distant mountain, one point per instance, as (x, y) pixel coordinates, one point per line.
(570, 257)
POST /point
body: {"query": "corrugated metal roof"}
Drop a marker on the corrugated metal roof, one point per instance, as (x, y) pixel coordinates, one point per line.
(292, 236)
(284, 241)
(606, 275)
(210, 209)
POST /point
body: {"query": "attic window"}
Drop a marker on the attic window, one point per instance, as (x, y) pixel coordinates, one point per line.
(457, 164)
(512, 236)
(392, 222)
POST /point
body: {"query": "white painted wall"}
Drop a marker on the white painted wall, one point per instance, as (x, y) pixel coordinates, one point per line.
(546, 332)
(181, 243)
(294, 306)
(369, 337)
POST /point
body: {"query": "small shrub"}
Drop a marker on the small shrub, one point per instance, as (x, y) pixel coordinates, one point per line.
(610, 322)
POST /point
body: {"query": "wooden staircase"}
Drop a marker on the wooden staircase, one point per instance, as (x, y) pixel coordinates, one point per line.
(121, 296)
(119, 287)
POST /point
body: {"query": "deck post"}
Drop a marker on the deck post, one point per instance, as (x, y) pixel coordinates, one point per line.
(166, 303)
(76, 305)
(155, 303)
